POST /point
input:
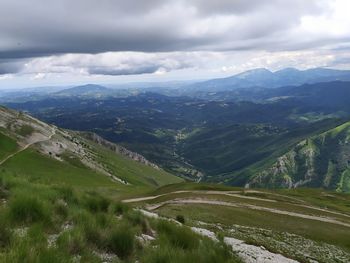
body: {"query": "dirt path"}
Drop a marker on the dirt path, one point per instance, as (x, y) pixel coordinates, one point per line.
(26, 147)
(146, 198)
(237, 194)
(254, 207)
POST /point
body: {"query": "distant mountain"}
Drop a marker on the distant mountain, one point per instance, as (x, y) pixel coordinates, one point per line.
(330, 96)
(85, 91)
(319, 161)
(266, 79)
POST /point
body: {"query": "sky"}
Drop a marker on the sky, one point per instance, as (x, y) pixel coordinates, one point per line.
(64, 42)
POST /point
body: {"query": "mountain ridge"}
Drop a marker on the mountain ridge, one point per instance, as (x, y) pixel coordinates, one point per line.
(265, 78)
(319, 161)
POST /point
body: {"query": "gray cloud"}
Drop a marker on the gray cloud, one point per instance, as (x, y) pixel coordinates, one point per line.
(110, 63)
(126, 71)
(10, 66)
(37, 28)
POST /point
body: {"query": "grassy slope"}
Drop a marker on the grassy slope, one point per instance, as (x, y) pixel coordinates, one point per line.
(134, 172)
(55, 223)
(44, 169)
(7, 146)
(44, 200)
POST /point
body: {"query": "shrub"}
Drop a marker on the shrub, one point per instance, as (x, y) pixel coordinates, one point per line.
(25, 130)
(121, 241)
(26, 209)
(180, 218)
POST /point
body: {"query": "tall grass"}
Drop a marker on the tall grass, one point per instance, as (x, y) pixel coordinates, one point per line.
(177, 236)
(27, 209)
(121, 241)
(96, 203)
(5, 234)
(96, 226)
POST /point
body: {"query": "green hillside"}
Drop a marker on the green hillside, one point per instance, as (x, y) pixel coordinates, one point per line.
(319, 161)
(46, 154)
(63, 212)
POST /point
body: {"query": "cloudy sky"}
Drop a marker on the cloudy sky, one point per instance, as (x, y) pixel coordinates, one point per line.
(56, 42)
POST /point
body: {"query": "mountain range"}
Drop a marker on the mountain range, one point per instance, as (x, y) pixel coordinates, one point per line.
(264, 78)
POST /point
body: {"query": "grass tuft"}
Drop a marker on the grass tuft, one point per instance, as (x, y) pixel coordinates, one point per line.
(119, 208)
(5, 234)
(180, 237)
(96, 203)
(121, 241)
(26, 209)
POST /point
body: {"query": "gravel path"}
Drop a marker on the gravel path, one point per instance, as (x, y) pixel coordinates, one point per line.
(254, 207)
(34, 141)
(237, 194)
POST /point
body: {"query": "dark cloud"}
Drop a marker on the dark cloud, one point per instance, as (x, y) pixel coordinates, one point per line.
(39, 28)
(240, 7)
(10, 67)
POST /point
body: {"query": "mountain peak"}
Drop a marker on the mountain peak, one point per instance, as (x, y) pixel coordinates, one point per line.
(90, 87)
(287, 70)
(254, 72)
(83, 90)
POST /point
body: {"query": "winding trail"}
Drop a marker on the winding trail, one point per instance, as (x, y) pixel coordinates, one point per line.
(26, 147)
(146, 198)
(152, 207)
(253, 207)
